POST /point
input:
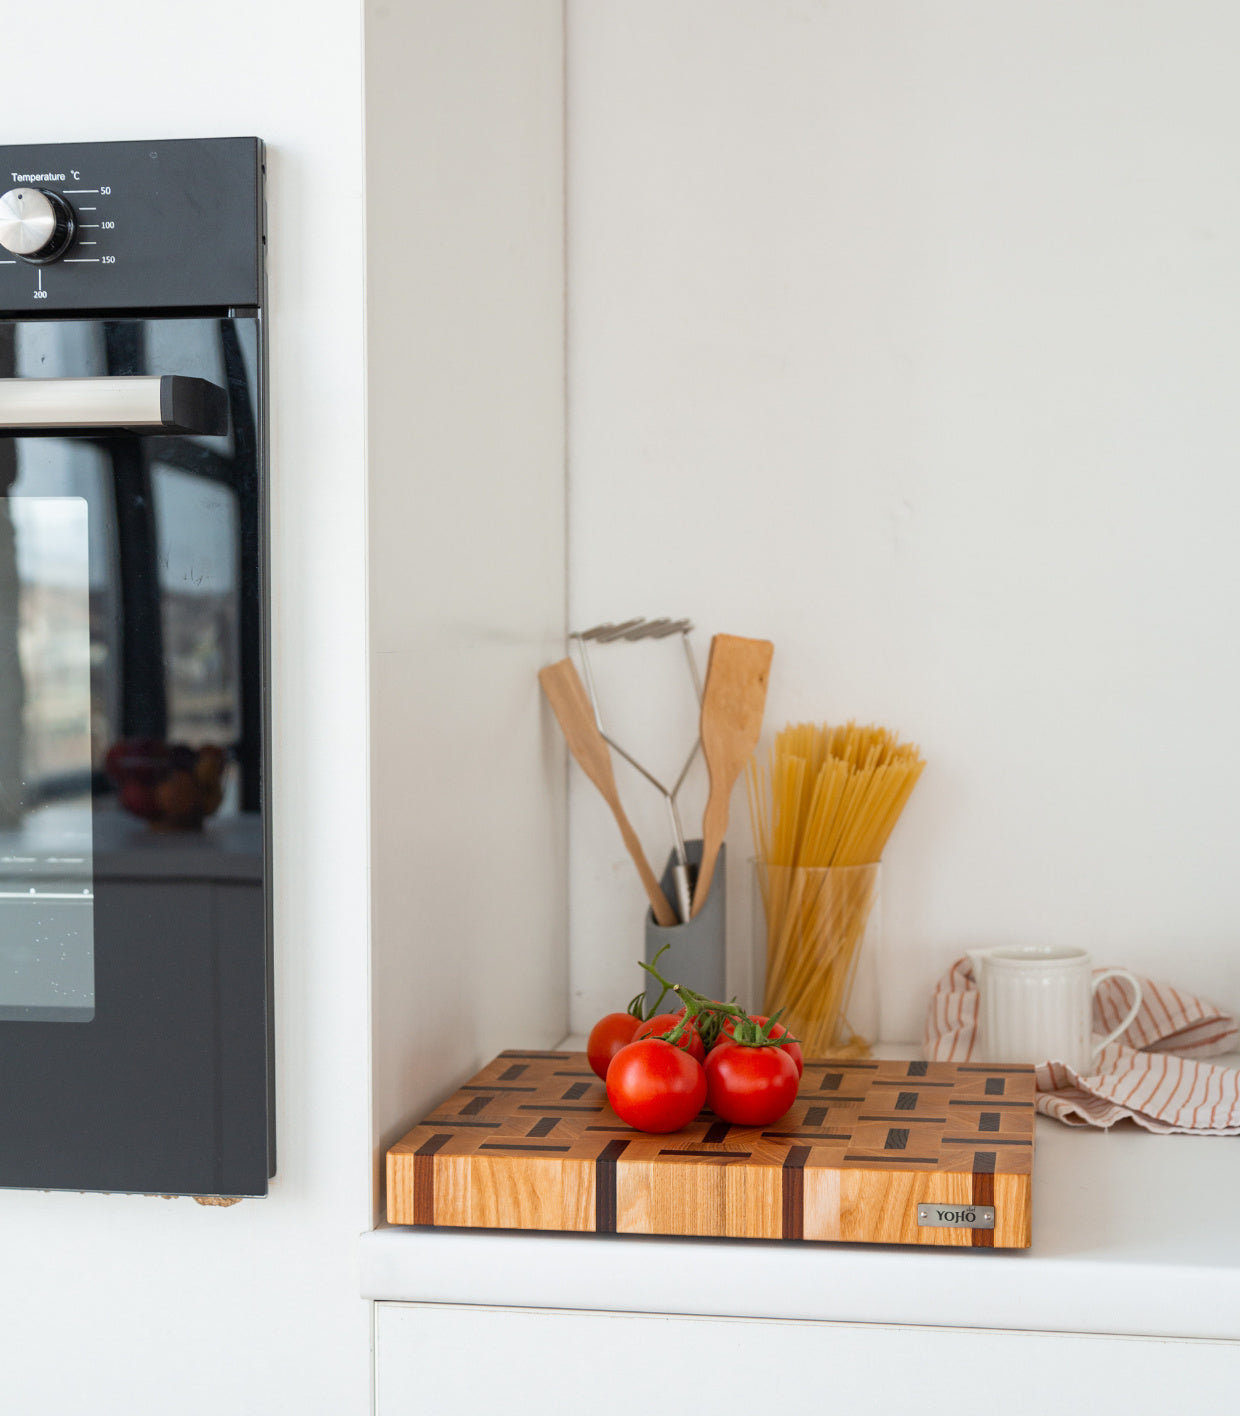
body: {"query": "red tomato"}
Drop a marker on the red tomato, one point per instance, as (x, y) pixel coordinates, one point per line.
(655, 1087)
(750, 1086)
(662, 1024)
(793, 1049)
(142, 760)
(607, 1037)
(139, 800)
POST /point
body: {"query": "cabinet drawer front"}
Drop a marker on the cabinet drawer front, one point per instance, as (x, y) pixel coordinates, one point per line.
(435, 1358)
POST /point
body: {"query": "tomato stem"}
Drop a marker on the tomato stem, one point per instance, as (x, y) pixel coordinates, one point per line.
(752, 1034)
(708, 1015)
(637, 1002)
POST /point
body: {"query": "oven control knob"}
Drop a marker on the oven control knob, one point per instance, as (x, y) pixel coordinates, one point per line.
(35, 225)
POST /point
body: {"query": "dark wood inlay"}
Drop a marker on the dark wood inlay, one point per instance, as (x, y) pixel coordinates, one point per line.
(906, 1120)
(970, 1141)
(433, 1145)
(792, 1186)
(544, 1127)
(605, 1186)
(576, 1091)
(996, 1086)
(807, 1135)
(555, 1106)
(424, 1178)
(518, 1146)
(892, 1159)
(475, 1104)
(989, 1121)
(709, 1155)
(906, 1101)
(717, 1134)
(514, 1072)
(904, 1082)
(984, 1194)
(897, 1139)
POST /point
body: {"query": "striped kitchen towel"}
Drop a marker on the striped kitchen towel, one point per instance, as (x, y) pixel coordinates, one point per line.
(1150, 1075)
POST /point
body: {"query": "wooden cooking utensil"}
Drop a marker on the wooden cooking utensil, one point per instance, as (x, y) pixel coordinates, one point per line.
(732, 706)
(571, 705)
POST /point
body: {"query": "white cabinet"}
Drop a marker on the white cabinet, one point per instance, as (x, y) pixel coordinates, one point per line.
(436, 1358)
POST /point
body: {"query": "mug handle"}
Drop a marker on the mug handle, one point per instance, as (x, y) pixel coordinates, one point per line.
(1132, 1012)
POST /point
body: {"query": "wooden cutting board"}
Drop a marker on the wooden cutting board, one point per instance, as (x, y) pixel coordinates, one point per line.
(875, 1152)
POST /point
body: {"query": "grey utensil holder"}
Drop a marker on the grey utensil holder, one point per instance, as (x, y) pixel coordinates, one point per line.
(696, 957)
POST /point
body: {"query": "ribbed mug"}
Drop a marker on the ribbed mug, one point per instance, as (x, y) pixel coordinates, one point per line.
(1037, 1003)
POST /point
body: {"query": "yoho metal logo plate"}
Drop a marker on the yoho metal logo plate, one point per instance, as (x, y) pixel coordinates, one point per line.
(931, 1216)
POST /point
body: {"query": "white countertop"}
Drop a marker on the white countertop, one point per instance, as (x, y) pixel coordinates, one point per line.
(1132, 1234)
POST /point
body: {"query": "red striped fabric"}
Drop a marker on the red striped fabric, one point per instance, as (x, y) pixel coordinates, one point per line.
(1152, 1075)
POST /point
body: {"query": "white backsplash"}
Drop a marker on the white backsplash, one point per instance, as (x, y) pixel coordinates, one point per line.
(879, 352)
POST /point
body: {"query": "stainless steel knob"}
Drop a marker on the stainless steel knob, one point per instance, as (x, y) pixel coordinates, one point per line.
(34, 224)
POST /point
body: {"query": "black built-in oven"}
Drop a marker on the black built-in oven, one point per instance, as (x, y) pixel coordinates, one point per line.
(135, 932)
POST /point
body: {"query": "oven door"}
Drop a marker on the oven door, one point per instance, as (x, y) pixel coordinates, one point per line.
(134, 933)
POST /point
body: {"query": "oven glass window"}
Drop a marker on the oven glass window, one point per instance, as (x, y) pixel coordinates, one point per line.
(47, 964)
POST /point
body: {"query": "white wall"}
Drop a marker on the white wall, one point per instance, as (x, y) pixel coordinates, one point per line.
(465, 347)
(905, 335)
(114, 1304)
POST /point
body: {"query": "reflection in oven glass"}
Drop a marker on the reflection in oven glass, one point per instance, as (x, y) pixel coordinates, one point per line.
(46, 837)
(196, 529)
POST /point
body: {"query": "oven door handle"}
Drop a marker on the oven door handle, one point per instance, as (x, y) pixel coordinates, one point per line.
(171, 403)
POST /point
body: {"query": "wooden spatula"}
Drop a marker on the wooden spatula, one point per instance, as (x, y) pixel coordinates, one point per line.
(571, 705)
(732, 706)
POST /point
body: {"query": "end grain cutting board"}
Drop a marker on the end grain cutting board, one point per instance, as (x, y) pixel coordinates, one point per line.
(877, 1152)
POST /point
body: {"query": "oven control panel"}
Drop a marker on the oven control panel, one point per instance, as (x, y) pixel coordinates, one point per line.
(131, 227)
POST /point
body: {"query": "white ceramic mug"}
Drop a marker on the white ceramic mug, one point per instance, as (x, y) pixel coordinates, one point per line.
(1037, 1005)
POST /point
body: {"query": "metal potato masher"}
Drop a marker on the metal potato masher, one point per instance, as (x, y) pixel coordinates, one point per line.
(630, 631)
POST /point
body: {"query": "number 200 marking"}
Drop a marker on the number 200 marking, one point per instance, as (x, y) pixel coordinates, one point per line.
(39, 294)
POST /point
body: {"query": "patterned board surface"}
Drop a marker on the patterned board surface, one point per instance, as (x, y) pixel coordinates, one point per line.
(531, 1143)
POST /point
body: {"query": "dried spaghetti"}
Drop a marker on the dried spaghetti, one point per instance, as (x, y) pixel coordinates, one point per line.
(822, 809)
